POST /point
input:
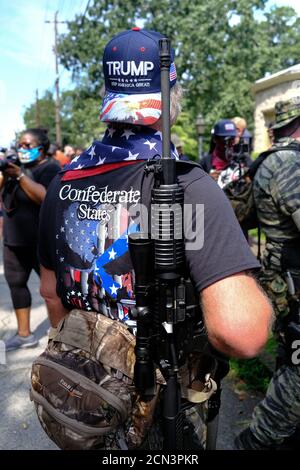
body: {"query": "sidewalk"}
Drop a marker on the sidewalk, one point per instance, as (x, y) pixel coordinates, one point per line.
(19, 426)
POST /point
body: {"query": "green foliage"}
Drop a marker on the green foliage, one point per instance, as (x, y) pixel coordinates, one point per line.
(253, 372)
(254, 234)
(254, 155)
(221, 46)
(82, 47)
(80, 114)
(79, 117)
(271, 346)
(187, 133)
(44, 116)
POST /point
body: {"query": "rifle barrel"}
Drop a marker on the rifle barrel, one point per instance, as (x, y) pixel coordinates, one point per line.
(165, 62)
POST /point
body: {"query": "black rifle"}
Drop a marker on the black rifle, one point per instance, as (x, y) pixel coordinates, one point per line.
(160, 288)
(167, 312)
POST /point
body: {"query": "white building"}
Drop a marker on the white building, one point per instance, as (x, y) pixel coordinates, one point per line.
(267, 91)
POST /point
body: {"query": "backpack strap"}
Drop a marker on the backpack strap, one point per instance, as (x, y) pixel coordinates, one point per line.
(206, 162)
(294, 146)
(258, 257)
(188, 163)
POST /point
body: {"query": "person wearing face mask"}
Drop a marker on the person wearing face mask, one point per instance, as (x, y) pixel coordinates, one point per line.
(219, 162)
(23, 187)
(222, 162)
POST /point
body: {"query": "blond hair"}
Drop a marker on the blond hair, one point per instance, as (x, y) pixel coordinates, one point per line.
(239, 122)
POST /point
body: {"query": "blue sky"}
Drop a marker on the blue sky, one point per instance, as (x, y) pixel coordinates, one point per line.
(26, 56)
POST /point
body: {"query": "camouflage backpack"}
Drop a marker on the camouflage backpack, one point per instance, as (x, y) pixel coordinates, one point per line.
(240, 195)
(82, 385)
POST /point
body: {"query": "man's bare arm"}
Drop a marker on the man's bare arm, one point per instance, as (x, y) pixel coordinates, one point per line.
(237, 315)
(56, 310)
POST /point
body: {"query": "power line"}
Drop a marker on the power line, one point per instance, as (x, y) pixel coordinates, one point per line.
(56, 87)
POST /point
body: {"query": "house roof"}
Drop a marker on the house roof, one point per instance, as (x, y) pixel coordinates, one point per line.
(285, 75)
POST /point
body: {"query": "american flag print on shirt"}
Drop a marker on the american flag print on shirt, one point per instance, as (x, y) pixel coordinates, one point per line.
(93, 260)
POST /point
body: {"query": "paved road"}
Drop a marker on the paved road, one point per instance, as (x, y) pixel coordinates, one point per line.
(19, 426)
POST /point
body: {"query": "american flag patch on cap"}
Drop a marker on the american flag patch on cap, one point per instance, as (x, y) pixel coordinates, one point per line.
(173, 74)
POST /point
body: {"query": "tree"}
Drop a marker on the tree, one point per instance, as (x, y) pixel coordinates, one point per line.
(81, 49)
(222, 47)
(46, 113)
(79, 117)
(80, 112)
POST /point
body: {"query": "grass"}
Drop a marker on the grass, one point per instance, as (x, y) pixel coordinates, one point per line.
(255, 375)
(271, 346)
(254, 234)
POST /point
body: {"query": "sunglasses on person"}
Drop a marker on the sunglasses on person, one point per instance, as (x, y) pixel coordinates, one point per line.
(25, 146)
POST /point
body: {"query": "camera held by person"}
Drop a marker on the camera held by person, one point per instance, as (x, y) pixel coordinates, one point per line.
(10, 156)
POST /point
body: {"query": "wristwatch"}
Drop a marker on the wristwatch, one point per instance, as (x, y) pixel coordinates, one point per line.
(20, 176)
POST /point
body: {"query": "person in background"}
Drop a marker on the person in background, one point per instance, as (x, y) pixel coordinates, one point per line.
(52, 151)
(60, 157)
(23, 189)
(179, 147)
(220, 162)
(78, 151)
(240, 125)
(69, 152)
(223, 163)
(276, 189)
(243, 142)
(270, 132)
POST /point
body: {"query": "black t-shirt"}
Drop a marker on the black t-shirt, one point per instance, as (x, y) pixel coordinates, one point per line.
(21, 214)
(84, 229)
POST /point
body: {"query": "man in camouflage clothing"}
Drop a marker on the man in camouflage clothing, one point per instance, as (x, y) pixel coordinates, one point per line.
(277, 197)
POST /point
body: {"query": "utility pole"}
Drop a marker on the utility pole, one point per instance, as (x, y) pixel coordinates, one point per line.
(37, 110)
(57, 100)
